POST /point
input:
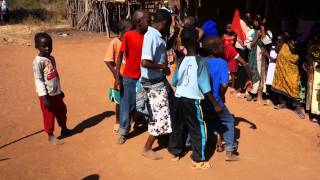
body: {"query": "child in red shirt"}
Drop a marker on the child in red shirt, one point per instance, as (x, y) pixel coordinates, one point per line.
(131, 48)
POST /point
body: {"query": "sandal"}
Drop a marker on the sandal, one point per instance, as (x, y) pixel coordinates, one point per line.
(200, 165)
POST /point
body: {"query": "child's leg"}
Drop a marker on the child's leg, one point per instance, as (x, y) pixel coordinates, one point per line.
(60, 111)
(48, 117)
(179, 133)
(197, 129)
(117, 113)
(228, 133)
(233, 80)
(48, 120)
(147, 150)
(116, 125)
(127, 105)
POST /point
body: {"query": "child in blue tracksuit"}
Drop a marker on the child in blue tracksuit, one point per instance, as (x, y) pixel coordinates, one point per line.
(192, 82)
(218, 70)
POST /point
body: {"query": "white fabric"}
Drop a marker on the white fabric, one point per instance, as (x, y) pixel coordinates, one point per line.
(4, 5)
(271, 67)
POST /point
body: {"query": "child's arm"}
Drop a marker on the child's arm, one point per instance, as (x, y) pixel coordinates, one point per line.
(224, 80)
(112, 67)
(223, 90)
(110, 58)
(118, 66)
(212, 100)
(40, 84)
(148, 64)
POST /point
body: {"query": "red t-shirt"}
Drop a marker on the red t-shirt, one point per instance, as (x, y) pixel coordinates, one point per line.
(228, 40)
(131, 47)
(231, 56)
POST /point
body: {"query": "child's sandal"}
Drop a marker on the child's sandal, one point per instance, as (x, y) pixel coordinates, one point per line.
(200, 165)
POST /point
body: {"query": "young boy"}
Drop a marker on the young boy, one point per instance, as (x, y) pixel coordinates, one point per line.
(218, 69)
(154, 68)
(131, 48)
(48, 87)
(192, 83)
(111, 59)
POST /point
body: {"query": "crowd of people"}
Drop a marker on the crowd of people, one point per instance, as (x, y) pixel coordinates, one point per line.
(246, 57)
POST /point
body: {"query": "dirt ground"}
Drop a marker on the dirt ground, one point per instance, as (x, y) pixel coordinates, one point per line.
(272, 144)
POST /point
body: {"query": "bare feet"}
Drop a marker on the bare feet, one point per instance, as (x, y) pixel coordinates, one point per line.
(151, 155)
(54, 140)
(116, 129)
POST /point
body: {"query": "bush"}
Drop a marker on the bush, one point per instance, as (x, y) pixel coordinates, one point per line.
(40, 10)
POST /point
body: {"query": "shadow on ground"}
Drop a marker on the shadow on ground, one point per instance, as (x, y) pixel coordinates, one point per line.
(88, 123)
(22, 138)
(92, 177)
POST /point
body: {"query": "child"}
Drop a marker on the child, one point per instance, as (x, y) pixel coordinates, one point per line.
(233, 58)
(131, 48)
(230, 37)
(111, 58)
(48, 87)
(218, 69)
(192, 82)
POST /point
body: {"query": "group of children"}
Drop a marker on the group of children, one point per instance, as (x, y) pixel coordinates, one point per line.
(200, 84)
(139, 58)
(138, 61)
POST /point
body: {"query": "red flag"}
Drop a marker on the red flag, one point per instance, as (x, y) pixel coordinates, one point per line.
(236, 26)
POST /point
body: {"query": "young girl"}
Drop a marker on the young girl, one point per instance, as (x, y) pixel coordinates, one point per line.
(111, 58)
(229, 38)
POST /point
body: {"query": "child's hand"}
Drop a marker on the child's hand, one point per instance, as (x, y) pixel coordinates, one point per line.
(46, 102)
(116, 86)
(218, 109)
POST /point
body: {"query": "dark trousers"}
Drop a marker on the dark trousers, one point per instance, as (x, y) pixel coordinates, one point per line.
(57, 110)
(188, 119)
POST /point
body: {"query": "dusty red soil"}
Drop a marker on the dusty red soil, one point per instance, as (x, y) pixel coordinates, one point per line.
(281, 147)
